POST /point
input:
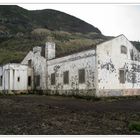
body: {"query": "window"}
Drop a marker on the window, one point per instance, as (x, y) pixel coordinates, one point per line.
(29, 63)
(82, 76)
(37, 80)
(122, 76)
(66, 77)
(123, 49)
(18, 79)
(131, 54)
(53, 79)
(29, 80)
(43, 51)
(0, 80)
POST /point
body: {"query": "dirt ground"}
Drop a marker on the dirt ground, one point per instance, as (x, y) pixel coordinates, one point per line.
(50, 115)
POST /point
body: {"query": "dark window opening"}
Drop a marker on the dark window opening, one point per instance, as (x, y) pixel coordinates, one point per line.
(123, 49)
(131, 54)
(122, 76)
(37, 80)
(82, 76)
(43, 51)
(0, 80)
(53, 79)
(18, 79)
(29, 63)
(29, 80)
(66, 77)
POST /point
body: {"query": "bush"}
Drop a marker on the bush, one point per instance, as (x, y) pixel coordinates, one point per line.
(134, 125)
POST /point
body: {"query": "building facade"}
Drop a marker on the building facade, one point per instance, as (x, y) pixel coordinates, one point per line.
(15, 78)
(111, 68)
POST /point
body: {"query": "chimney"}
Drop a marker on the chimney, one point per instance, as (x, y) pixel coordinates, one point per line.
(37, 50)
(50, 50)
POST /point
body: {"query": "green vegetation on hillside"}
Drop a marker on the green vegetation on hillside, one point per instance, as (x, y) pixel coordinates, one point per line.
(15, 48)
(21, 30)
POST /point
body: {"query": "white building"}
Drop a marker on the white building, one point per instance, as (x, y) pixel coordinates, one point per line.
(111, 68)
(15, 78)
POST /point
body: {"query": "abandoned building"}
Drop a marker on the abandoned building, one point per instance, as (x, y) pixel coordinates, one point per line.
(14, 77)
(111, 68)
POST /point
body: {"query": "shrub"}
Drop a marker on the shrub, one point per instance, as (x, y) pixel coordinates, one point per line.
(134, 125)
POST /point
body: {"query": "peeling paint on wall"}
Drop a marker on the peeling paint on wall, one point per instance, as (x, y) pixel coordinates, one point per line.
(109, 64)
(84, 60)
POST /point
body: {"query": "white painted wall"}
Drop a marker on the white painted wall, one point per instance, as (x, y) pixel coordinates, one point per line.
(101, 64)
(73, 63)
(109, 56)
(11, 72)
(39, 67)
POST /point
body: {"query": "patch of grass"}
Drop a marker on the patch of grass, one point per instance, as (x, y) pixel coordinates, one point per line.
(134, 125)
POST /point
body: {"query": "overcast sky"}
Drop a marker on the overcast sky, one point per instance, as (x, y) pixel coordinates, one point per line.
(110, 19)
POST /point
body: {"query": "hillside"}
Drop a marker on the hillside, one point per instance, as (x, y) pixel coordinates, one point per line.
(21, 30)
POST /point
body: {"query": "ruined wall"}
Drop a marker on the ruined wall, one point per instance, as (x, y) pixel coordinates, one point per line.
(38, 63)
(72, 63)
(110, 61)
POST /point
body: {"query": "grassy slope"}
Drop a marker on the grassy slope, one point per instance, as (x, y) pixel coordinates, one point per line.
(21, 30)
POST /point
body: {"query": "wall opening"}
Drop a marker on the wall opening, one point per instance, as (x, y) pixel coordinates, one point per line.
(30, 63)
(131, 54)
(122, 76)
(37, 80)
(43, 51)
(53, 79)
(66, 77)
(18, 79)
(82, 76)
(123, 49)
(29, 81)
(1, 80)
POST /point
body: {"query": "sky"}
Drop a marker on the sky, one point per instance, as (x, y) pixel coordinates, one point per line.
(110, 19)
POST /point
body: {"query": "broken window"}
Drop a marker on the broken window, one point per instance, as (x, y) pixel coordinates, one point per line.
(0, 80)
(66, 77)
(122, 76)
(18, 79)
(29, 80)
(82, 76)
(123, 49)
(37, 80)
(53, 79)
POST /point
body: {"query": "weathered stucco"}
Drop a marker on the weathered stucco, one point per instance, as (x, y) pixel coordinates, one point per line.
(84, 60)
(14, 77)
(38, 63)
(110, 60)
(112, 68)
